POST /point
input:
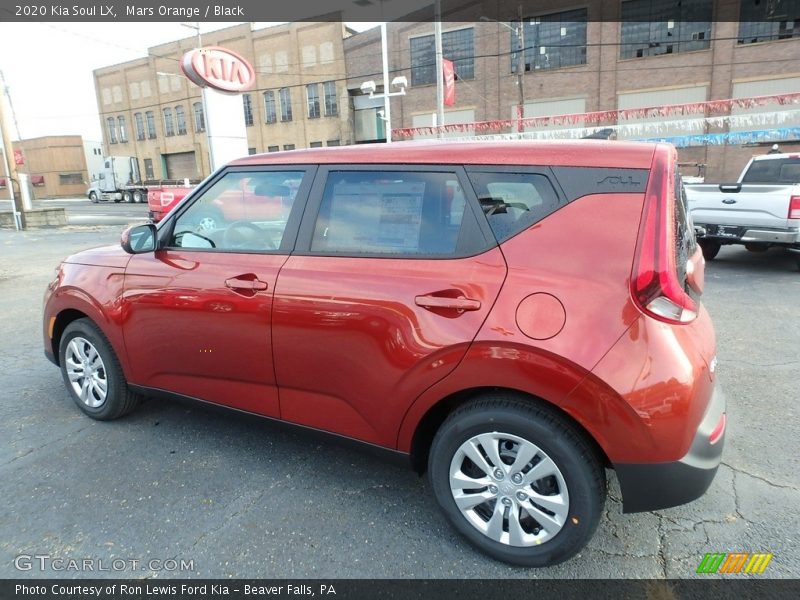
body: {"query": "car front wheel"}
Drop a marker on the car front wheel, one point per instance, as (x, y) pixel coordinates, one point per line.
(519, 481)
(92, 372)
(710, 249)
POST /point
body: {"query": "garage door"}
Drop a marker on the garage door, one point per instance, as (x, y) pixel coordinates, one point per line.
(181, 165)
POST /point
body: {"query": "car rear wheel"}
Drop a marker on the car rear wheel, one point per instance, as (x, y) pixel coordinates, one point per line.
(92, 372)
(139, 197)
(710, 248)
(127, 196)
(519, 481)
(208, 220)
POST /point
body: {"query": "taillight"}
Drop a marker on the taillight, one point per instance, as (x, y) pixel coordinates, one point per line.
(655, 284)
(794, 207)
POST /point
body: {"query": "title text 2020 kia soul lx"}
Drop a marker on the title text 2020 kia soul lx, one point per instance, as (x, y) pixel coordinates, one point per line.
(516, 317)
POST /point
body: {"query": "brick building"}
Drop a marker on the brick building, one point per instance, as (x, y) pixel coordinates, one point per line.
(584, 59)
(56, 164)
(149, 110)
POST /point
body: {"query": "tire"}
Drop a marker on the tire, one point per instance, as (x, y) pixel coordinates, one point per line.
(84, 347)
(571, 475)
(139, 196)
(756, 247)
(127, 196)
(710, 249)
(93, 198)
(798, 262)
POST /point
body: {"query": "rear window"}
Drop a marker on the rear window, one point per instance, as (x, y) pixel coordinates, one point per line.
(774, 170)
(685, 239)
(513, 202)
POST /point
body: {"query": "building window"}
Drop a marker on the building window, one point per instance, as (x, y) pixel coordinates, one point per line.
(312, 95)
(169, 123)
(251, 151)
(111, 130)
(123, 130)
(288, 146)
(199, 117)
(139, 124)
(286, 104)
(766, 21)
(148, 169)
(333, 143)
(331, 101)
(458, 46)
(315, 145)
(552, 41)
(665, 27)
(270, 115)
(70, 178)
(247, 104)
(150, 117)
(180, 117)
(273, 148)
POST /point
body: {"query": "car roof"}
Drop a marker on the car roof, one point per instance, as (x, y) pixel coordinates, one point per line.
(575, 153)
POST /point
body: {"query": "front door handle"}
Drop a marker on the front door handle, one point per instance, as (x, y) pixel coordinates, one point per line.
(249, 283)
(460, 304)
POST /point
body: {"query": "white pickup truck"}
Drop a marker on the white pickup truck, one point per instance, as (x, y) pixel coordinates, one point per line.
(761, 210)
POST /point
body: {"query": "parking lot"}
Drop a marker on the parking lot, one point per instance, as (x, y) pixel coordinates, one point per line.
(233, 496)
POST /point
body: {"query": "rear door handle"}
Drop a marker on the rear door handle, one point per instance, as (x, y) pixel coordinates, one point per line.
(460, 304)
(249, 283)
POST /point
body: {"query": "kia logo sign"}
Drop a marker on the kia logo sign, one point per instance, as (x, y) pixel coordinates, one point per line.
(218, 68)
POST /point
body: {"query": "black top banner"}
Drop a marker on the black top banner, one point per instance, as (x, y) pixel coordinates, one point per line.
(334, 10)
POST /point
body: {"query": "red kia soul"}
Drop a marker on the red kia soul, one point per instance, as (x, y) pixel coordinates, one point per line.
(515, 317)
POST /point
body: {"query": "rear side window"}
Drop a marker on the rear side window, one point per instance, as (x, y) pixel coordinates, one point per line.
(390, 213)
(775, 170)
(685, 238)
(513, 202)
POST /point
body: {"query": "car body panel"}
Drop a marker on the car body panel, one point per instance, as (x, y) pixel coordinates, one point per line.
(373, 349)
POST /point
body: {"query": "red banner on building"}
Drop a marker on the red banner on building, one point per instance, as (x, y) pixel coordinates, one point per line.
(19, 159)
(449, 70)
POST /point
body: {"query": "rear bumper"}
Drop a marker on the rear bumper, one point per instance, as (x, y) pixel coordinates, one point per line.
(652, 486)
(745, 235)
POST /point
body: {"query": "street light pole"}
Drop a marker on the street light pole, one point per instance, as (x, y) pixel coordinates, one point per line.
(520, 71)
(437, 33)
(387, 105)
(10, 164)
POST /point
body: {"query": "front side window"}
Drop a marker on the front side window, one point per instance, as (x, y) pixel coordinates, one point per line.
(139, 124)
(331, 102)
(180, 117)
(151, 124)
(247, 104)
(270, 114)
(458, 46)
(286, 104)
(665, 27)
(389, 213)
(199, 117)
(513, 202)
(169, 122)
(123, 129)
(111, 130)
(768, 20)
(552, 41)
(242, 212)
(312, 94)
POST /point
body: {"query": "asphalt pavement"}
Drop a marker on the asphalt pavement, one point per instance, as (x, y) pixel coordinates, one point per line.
(233, 496)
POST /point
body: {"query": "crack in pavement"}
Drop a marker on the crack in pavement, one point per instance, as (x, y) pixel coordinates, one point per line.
(760, 478)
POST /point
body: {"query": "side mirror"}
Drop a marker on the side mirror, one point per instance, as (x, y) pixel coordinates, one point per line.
(139, 239)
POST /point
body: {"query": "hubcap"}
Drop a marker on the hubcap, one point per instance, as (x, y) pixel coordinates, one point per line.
(86, 372)
(509, 489)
